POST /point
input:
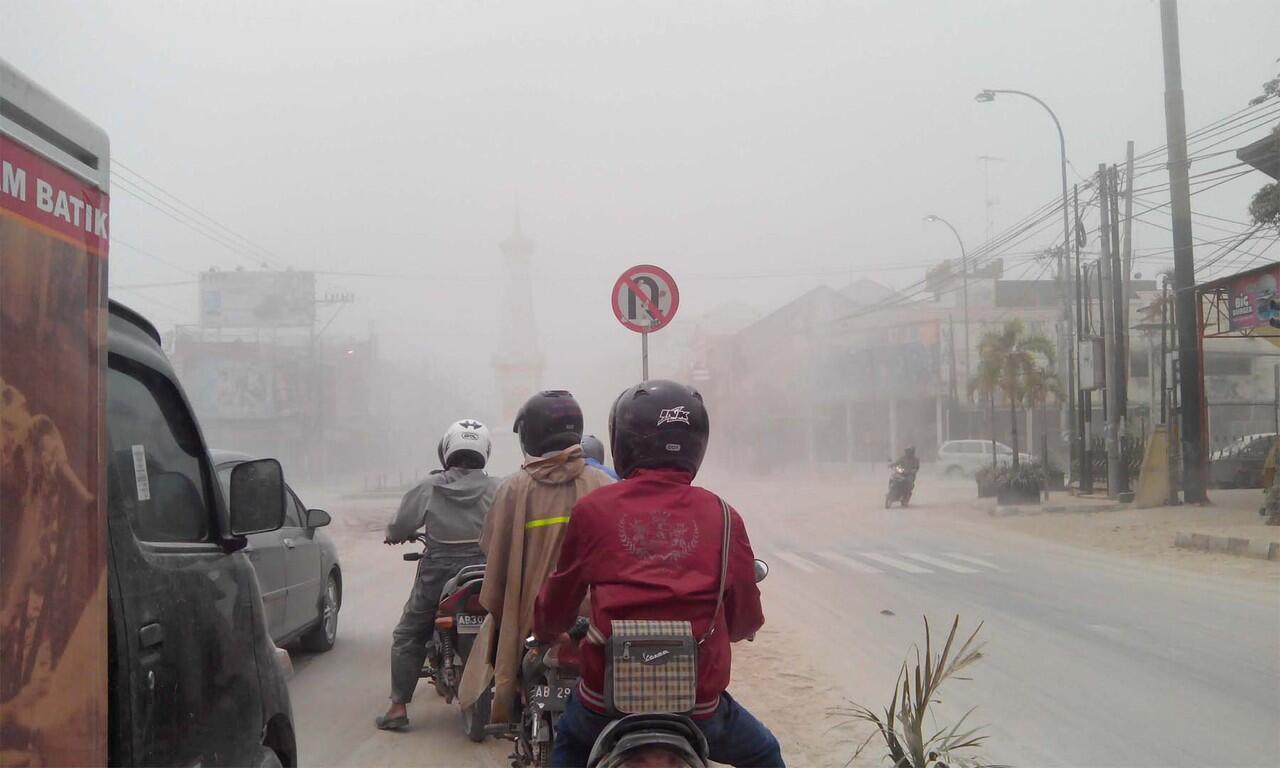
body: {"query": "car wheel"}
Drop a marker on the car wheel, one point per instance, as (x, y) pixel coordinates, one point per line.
(954, 472)
(325, 633)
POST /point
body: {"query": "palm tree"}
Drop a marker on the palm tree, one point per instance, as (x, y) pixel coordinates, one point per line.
(1040, 384)
(985, 382)
(1009, 356)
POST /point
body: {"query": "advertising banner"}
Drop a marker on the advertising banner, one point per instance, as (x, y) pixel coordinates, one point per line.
(1249, 298)
(53, 639)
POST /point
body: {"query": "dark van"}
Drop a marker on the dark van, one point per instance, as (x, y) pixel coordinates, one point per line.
(195, 677)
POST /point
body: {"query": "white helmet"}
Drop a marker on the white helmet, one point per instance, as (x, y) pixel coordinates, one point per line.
(462, 438)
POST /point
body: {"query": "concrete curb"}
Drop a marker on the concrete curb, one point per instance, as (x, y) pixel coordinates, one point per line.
(1260, 549)
(1010, 510)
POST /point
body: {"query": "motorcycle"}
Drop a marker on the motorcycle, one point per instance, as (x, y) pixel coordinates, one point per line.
(659, 739)
(548, 675)
(901, 485)
(459, 617)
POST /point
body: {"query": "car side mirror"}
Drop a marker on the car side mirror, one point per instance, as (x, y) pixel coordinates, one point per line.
(762, 570)
(257, 497)
(318, 518)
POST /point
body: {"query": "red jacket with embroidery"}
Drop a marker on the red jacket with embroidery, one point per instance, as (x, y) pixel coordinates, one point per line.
(648, 547)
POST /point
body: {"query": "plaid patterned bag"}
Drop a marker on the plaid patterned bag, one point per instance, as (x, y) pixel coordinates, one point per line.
(652, 666)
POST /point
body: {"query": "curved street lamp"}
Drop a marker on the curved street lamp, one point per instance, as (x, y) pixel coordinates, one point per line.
(964, 278)
(989, 95)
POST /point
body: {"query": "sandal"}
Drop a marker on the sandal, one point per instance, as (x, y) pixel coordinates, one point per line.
(391, 724)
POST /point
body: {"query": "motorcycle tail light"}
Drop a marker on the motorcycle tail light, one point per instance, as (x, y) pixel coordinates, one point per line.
(444, 623)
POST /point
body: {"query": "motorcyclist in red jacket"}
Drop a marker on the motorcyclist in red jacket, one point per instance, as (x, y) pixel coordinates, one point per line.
(649, 547)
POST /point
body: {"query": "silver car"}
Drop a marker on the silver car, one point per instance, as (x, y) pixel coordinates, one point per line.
(957, 458)
(298, 570)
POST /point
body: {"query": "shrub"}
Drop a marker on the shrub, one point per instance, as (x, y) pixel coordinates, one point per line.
(902, 726)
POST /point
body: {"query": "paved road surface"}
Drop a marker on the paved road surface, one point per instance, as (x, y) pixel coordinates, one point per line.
(1090, 659)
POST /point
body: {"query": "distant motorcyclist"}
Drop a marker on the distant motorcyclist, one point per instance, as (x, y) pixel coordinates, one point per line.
(651, 548)
(521, 541)
(593, 454)
(909, 462)
(451, 504)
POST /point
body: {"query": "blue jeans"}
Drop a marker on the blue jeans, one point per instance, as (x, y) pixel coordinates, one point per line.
(735, 737)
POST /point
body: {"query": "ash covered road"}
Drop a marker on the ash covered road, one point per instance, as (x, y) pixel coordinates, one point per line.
(1091, 659)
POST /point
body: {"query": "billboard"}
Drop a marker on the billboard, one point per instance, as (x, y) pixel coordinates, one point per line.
(242, 381)
(1249, 295)
(265, 299)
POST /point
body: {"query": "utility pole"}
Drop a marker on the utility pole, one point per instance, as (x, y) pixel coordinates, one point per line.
(951, 336)
(317, 365)
(1111, 433)
(1164, 350)
(1164, 388)
(1128, 230)
(1120, 344)
(1079, 441)
(1275, 408)
(1191, 380)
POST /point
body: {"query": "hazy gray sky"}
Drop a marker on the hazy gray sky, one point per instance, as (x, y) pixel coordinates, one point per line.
(756, 149)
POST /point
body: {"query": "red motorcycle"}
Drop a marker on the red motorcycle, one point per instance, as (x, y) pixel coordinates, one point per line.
(548, 675)
(459, 617)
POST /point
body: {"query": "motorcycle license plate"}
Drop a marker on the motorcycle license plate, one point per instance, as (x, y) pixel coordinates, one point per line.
(553, 697)
(469, 623)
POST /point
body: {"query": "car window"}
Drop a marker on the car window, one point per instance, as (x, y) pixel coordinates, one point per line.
(294, 512)
(159, 475)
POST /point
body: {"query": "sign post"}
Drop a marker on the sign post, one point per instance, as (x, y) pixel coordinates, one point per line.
(645, 299)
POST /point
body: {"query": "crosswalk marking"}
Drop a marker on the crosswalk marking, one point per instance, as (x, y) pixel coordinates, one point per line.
(939, 563)
(799, 562)
(974, 560)
(894, 562)
(848, 562)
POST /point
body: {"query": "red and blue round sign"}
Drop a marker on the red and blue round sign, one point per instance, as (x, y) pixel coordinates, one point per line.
(645, 298)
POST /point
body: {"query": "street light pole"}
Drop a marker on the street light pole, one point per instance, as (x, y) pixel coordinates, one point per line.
(990, 95)
(964, 282)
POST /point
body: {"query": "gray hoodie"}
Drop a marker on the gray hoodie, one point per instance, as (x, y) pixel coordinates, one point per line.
(451, 504)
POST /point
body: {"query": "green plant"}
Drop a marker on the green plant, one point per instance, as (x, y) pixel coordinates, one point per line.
(903, 725)
(986, 475)
(1027, 478)
(1008, 358)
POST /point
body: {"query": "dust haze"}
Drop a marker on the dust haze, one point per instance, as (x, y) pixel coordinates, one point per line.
(758, 151)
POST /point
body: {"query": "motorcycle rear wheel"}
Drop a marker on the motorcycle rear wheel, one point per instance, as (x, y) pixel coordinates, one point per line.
(476, 716)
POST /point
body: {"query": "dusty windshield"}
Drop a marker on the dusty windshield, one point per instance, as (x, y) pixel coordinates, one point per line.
(970, 312)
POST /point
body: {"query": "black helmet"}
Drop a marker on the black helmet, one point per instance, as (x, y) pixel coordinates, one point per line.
(911, 450)
(549, 421)
(592, 448)
(658, 424)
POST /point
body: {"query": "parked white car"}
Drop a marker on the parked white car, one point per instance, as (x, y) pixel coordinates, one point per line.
(957, 458)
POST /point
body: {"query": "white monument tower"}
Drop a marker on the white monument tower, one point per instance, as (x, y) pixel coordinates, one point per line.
(517, 365)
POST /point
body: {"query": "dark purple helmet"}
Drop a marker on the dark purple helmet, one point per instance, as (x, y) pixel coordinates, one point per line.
(549, 421)
(658, 424)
